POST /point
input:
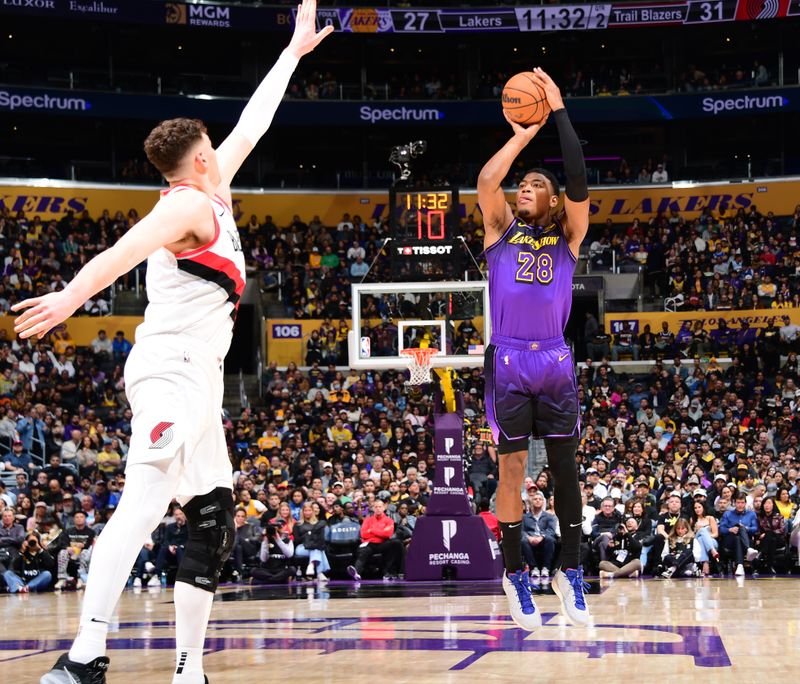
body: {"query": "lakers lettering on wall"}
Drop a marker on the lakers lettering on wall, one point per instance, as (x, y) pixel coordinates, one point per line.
(54, 200)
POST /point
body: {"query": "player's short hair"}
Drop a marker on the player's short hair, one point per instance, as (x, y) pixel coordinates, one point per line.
(550, 176)
(168, 143)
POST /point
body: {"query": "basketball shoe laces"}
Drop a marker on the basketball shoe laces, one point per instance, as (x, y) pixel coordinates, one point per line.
(575, 579)
(522, 584)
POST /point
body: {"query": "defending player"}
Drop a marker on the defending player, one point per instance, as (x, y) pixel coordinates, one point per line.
(530, 374)
(195, 278)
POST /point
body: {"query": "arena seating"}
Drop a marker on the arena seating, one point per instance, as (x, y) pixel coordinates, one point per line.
(735, 425)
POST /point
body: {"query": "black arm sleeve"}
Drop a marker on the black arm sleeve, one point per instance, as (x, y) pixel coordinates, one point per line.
(574, 166)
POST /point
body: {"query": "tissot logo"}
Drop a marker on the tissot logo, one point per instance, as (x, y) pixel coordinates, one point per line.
(715, 105)
(425, 250)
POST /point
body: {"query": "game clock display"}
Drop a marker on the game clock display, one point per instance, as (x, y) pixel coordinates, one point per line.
(424, 230)
(424, 214)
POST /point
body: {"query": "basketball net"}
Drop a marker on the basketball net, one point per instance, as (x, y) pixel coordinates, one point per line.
(419, 364)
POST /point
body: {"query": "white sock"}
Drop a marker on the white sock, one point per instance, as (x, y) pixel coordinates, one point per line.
(148, 491)
(188, 666)
(91, 640)
(192, 610)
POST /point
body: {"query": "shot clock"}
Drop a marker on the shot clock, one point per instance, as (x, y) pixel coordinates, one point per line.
(423, 214)
(424, 230)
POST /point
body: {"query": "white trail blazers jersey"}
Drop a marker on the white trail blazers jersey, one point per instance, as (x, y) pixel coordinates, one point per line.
(197, 293)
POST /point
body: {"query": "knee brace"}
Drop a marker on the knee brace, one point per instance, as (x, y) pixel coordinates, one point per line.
(211, 536)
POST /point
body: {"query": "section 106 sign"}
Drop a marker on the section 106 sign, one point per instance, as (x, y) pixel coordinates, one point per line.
(285, 331)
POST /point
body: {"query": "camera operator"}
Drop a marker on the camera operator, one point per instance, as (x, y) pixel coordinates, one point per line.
(32, 569)
(277, 550)
(623, 551)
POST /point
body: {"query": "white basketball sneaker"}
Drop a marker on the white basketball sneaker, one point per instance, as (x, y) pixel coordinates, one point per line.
(524, 612)
(569, 587)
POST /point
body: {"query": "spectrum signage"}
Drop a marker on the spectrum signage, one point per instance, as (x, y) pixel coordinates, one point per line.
(372, 20)
(43, 103)
(744, 103)
(356, 113)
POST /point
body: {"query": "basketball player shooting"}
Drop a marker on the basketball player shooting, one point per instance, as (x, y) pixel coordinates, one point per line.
(173, 377)
(530, 375)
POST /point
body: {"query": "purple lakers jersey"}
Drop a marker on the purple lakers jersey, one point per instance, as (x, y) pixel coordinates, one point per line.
(530, 281)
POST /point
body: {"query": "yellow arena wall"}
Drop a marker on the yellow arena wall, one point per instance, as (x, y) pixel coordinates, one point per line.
(52, 199)
(683, 320)
(81, 330)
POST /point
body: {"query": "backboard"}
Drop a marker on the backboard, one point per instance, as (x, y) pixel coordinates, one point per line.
(389, 317)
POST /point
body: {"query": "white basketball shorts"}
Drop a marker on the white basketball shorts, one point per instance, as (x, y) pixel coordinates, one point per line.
(175, 386)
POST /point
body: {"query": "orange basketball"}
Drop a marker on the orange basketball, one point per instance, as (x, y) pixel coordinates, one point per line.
(524, 100)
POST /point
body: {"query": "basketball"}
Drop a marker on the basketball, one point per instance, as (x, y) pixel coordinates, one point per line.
(524, 100)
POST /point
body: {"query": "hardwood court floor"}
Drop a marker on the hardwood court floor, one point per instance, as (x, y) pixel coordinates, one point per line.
(644, 630)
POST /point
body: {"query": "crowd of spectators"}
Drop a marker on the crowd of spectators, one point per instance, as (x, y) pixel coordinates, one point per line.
(620, 78)
(43, 256)
(724, 76)
(315, 264)
(331, 460)
(404, 85)
(602, 80)
(137, 170)
(716, 448)
(736, 259)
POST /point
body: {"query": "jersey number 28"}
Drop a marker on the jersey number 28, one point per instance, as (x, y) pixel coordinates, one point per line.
(533, 268)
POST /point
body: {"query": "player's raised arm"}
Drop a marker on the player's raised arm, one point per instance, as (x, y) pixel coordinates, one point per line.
(497, 214)
(576, 201)
(171, 220)
(259, 111)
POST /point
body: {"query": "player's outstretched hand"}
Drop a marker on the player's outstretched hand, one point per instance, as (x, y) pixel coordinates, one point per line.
(550, 88)
(305, 37)
(525, 132)
(43, 313)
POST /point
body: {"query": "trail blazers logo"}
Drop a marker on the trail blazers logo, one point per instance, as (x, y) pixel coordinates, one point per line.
(161, 435)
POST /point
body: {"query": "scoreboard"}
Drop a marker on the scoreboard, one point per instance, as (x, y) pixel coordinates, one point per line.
(382, 19)
(546, 18)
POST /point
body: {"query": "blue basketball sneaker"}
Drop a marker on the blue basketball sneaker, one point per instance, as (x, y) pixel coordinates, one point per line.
(569, 587)
(517, 586)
